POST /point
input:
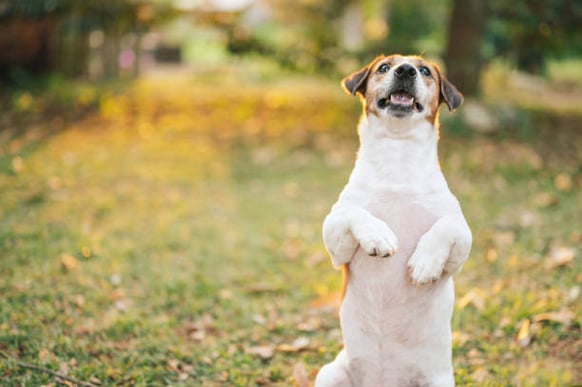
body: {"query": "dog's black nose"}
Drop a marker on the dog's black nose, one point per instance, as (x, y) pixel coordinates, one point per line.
(405, 71)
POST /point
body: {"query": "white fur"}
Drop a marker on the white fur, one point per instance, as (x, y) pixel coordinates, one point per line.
(396, 313)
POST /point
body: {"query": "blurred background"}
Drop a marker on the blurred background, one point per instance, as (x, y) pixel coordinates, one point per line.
(116, 39)
(166, 165)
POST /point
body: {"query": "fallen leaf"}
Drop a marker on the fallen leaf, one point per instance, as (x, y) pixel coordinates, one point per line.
(503, 238)
(17, 164)
(563, 182)
(475, 357)
(460, 338)
(199, 329)
(545, 199)
(265, 352)
(259, 319)
(69, 263)
(573, 294)
(86, 252)
(559, 256)
(473, 297)
(311, 325)
(225, 294)
(116, 295)
(524, 334)
(563, 316)
(44, 355)
(300, 376)
(298, 345)
(173, 365)
(481, 375)
(491, 255)
(63, 368)
(115, 279)
(223, 376)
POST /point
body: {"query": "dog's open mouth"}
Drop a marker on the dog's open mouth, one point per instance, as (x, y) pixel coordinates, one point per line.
(400, 101)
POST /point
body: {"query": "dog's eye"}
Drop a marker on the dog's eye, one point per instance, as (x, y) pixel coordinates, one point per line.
(383, 68)
(425, 71)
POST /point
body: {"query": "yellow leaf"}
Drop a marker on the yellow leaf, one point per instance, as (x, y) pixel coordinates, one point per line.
(524, 334)
(69, 262)
(473, 297)
(491, 255)
(17, 164)
(563, 182)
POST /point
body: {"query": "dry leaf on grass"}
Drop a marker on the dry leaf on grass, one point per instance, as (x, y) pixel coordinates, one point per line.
(563, 182)
(265, 352)
(460, 338)
(310, 325)
(563, 316)
(69, 263)
(545, 199)
(559, 256)
(524, 333)
(474, 297)
(199, 329)
(300, 376)
(174, 365)
(298, 345)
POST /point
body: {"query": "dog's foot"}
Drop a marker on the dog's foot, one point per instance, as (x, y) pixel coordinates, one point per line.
(427, 262)
(375, 237)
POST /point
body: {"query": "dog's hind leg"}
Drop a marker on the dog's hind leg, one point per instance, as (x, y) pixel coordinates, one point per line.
(334, 374)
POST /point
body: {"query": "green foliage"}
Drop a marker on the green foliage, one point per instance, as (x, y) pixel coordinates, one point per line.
(529, 32)
(417, 27)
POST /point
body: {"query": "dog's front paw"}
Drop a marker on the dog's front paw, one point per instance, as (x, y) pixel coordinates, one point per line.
(376, 238)
(427, 262)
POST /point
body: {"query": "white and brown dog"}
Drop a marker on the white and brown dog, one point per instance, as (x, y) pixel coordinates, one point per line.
(398, 232)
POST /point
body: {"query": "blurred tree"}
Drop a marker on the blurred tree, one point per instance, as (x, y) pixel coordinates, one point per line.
(463, 55)
(529, 31)
(54, 34)
(416, 26)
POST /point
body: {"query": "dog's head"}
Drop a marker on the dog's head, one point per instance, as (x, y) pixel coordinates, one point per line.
(405, 87)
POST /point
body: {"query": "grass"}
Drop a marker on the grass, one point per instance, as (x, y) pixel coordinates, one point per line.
(172, 237)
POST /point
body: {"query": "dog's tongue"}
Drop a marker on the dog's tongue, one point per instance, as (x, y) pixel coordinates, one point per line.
(401, 98)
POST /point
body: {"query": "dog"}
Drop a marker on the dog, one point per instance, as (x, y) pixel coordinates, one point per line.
(398, 233)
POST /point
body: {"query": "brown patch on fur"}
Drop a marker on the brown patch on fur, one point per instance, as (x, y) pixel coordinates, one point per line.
(345, 279)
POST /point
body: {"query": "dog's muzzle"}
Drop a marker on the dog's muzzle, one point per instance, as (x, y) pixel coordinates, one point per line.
(401, 99)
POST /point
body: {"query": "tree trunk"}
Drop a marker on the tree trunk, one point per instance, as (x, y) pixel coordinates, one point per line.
(463, 57)
(110, 53)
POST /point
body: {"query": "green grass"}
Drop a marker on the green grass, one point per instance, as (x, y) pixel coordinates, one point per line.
(163, 237)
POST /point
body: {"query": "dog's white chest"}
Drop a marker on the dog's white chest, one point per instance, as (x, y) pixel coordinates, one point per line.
(409, 220)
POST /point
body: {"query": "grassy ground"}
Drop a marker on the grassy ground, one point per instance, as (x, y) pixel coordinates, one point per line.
(172, 236)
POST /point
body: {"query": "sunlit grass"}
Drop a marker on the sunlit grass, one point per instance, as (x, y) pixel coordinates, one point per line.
(163, 237)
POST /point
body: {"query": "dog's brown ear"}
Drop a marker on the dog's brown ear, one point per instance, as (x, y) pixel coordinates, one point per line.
(449, 94)
(356, 82)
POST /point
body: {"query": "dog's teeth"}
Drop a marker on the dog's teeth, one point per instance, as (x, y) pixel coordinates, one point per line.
(403, 99)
